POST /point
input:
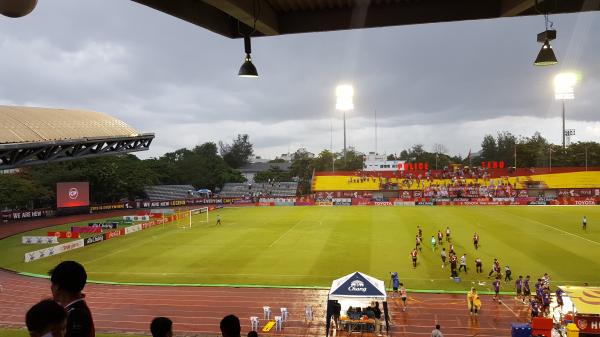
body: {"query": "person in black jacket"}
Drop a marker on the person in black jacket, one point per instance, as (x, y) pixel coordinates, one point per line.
(68, 279)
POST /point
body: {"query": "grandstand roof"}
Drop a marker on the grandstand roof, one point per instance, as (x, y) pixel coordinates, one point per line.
(31, 136)
(20, 124)
(277, 17)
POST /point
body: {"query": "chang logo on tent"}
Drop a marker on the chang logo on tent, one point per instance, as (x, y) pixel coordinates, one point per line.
(357, 285)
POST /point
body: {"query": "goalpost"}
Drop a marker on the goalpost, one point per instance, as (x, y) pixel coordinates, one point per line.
(197, 215)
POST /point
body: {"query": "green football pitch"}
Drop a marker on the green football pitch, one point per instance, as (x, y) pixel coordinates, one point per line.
(311, 246)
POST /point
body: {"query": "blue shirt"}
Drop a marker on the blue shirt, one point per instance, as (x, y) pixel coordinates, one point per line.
(526, 286)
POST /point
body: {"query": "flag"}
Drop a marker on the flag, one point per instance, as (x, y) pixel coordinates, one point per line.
(469, 155)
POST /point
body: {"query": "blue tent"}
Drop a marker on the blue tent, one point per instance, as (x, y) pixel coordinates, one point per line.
(357, 286)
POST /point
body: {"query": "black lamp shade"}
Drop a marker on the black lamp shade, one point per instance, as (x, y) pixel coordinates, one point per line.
(248, 69)
(546, 56)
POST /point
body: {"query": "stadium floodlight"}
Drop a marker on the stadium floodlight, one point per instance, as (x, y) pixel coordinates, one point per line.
(344, 94)
(564, 86)
(248, 69)
(564, 89)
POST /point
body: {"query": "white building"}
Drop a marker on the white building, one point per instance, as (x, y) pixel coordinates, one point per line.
(379, 162)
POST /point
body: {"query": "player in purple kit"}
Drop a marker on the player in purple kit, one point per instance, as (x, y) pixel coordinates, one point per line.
(519, 288)
(559, 299)
(545, 301)
(526, 289)
(535, 309)
(496, 285)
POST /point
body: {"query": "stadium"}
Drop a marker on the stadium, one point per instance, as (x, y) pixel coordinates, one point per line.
(502, 242)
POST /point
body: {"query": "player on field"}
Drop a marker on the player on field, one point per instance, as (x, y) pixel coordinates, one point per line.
(546, 280)
(526, 289)
(419, 232)
(451, 249)
(440, 237)
(496, 285)
(519, 288)
(535, 309)
(453, 272)
(546, 301)
(495, 268)
(413, 256)
(448, 234)
(478, 265)
(418, 242)
(476, 240)
(507, 274)
(433, 243)
(218, 219)
(463, 262)
(584, 223)
(443, 256)
(559, 298)
(403, 296)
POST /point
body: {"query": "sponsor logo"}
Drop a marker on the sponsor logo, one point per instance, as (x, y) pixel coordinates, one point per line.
(582, 324)
(585, 202)
(357, 285)
(383, 203)
(94, 239)
(73, 193)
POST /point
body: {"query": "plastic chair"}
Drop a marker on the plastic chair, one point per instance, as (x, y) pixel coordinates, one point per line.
(284, 314)
(278, 323)
(267, 312)
(253, 323)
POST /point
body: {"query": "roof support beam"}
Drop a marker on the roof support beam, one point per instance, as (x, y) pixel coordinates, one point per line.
(516, 7)
(245, 12)
(196, 12)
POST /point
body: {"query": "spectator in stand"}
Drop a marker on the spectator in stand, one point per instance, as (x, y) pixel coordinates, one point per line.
(161, 327)
(230, 326)
(68, 279)
(46, 318)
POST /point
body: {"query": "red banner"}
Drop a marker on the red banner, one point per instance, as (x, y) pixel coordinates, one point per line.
(588, 324)
(112, 234)
(90, 229)
(64, 235)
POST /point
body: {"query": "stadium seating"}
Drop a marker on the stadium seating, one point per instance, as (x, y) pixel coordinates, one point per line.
(364, 181)
(168, 192)
(277, 189)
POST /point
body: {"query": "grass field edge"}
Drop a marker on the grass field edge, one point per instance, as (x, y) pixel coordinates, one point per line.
(267, 286)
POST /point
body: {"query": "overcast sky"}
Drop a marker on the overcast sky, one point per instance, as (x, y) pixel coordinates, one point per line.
(448, 83)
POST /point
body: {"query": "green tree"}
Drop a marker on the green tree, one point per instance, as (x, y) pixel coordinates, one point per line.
(238, 153)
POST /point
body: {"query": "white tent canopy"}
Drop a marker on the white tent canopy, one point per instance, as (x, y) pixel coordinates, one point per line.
(358, 286)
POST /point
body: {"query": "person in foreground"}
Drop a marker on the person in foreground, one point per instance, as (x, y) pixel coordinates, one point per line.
(68, 279)
(161, 327)
(46, 319)
(230, 326)
(437, 332)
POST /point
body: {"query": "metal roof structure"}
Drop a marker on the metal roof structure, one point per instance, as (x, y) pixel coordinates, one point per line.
(30, 135)
(278, 17)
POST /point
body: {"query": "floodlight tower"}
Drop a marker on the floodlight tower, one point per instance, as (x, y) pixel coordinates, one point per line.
(564, 89)
(344, 94)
